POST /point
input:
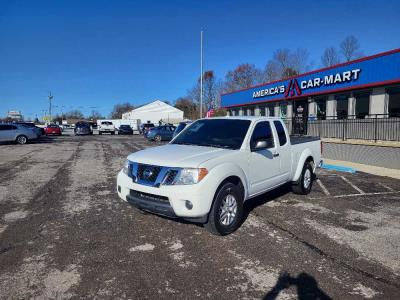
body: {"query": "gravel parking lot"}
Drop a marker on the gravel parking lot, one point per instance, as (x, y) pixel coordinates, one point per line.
(64, 233)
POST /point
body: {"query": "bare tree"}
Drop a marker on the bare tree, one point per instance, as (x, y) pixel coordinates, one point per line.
(121, 108)
(330, 57)
(74, 114)
(244, 76)
(211, 91)
(189, 108)
(272, 71)
(350, 48)
(286, 63)
(299, 60)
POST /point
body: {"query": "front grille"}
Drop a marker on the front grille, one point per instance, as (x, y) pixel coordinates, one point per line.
(148, 172)
(170, 177)
(149, 197)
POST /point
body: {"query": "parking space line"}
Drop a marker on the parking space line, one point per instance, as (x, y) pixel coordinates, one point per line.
(353, 185)
(357, 195)
(386, 187)
(324, 189)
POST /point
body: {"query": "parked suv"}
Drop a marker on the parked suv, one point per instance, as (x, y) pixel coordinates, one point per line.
(17, 133)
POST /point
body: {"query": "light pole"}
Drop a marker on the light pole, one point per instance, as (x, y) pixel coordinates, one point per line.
(50, 98)
(201, 74)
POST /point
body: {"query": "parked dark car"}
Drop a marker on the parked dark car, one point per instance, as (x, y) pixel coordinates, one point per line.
(161, 133)
(82, 128)
(144, 128)
(181, 126)
(125, 129)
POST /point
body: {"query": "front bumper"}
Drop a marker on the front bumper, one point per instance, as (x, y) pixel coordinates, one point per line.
(175, 198)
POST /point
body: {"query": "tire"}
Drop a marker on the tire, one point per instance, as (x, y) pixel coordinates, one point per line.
(112, 133)
(100, 133)
(304, 184)
(222, 225)
(158, 138)
(21, 139)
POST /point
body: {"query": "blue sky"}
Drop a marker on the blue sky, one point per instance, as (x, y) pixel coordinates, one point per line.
(99, 53)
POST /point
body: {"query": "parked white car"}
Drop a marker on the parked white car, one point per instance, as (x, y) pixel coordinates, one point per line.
(20, 134)
(211, 168)
(106, 126)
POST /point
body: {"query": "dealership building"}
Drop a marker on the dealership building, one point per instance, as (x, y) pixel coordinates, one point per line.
(367, 88)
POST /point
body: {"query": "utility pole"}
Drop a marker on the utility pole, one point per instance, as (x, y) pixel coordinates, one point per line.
(50, 98)
(201, 74)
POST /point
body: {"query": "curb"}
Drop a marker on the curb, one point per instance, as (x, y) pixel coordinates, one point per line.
(339, 168)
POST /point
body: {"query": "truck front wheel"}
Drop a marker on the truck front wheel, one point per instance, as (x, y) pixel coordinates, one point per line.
(227, 210)
(304, 184)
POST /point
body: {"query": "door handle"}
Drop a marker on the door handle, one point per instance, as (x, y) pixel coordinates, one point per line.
(276, 154)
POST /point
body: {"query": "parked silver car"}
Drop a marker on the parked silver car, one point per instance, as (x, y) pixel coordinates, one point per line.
(16, 133)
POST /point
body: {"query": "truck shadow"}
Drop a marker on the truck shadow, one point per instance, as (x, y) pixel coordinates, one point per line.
(251, 204)
(306, 286)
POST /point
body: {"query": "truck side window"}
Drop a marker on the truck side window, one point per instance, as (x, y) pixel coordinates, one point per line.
(262, 131)
(281, 133)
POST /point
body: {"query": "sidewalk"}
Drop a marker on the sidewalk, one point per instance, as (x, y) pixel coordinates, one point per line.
(380, 171)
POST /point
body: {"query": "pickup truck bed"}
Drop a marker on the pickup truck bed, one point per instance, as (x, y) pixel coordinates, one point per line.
(300, 139)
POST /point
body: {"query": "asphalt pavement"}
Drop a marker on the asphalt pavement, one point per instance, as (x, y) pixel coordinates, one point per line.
(64, 233)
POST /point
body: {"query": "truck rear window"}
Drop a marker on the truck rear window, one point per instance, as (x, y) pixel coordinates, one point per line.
(281, 133)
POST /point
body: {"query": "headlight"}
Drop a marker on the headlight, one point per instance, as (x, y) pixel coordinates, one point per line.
(191, 176)
(126, 167)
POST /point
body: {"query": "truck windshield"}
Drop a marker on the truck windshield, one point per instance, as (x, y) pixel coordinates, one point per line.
(219, 133)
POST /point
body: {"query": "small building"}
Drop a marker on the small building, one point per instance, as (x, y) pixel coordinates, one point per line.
(359, 99)
(155, 112)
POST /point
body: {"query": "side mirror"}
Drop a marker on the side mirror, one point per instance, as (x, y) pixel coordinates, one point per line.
(263, 144)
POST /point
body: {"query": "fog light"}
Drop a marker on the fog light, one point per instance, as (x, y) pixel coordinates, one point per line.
(188, 204)
(119, 189)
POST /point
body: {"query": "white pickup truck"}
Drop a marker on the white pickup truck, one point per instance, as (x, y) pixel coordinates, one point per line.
(207, 171)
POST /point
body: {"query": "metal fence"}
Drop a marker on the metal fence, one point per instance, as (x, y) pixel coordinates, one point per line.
(372, 127)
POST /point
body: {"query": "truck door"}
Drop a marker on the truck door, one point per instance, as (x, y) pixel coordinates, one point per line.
(264, 164)
(283, 150)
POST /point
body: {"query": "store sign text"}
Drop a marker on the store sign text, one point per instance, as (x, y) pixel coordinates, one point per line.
(295, 88)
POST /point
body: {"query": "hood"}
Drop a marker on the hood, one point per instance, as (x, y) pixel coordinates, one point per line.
(172, 155)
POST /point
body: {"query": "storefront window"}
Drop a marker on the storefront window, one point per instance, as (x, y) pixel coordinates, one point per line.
(283, 111)
(342, 106)
(394, 102)
(321, 108)
(362, 105)
(271, 108)
(262, 110)
(244, 111)
(251, 111)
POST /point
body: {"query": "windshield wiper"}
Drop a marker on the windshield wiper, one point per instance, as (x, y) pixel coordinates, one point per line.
(215, 146)
(184, 143)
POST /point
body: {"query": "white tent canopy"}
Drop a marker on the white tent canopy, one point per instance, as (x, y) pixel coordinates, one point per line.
(154, 112)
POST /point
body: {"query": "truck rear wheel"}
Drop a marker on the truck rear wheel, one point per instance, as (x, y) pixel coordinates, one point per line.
(304, 184)
(227, 210)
